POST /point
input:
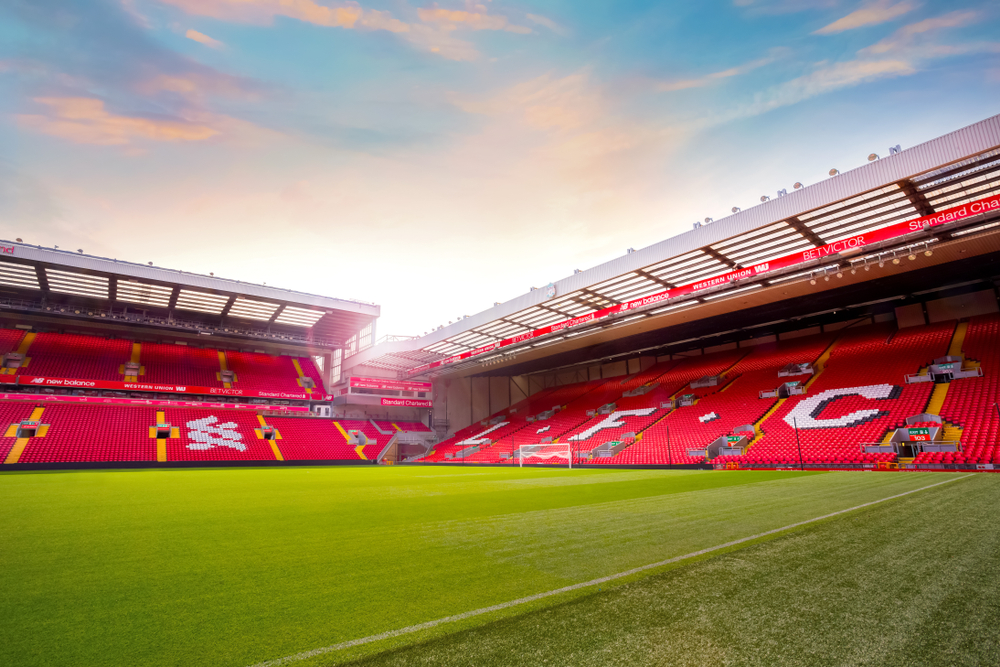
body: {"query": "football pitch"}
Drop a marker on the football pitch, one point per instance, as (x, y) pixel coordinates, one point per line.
(470, 566)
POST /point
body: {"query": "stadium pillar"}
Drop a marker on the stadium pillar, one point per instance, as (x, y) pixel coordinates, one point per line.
(795, 423)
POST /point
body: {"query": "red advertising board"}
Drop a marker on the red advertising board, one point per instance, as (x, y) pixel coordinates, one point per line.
(74, 383)
(406, 402)
(109, 400)
(855, 243)
(389, 385)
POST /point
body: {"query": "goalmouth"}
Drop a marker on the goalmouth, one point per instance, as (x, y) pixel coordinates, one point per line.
(549, 453)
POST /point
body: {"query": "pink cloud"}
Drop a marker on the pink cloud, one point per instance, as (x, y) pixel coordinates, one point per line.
(202, 38)
(349, 15)
(479, 20)
(84, 120)
(873, 14)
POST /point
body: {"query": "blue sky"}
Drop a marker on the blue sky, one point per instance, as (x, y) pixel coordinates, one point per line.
(437, 157)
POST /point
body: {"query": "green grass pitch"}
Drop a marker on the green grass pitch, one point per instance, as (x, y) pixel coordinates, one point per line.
(236, 567)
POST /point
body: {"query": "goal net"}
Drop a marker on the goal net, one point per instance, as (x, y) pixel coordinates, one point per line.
(550, 453)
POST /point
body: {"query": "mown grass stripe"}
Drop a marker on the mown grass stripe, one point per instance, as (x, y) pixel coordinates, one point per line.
(574, 587)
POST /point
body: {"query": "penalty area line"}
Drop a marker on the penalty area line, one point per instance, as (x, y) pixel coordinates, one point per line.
(574, 587)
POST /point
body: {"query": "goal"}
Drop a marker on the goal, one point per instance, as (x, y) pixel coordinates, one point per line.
(551, 453)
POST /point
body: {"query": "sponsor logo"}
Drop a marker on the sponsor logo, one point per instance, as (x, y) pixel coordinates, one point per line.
(761, 268)
(38, 381)
(572, 323)
(984, 206)
(406, 402)
(7, 249)
(834, 248)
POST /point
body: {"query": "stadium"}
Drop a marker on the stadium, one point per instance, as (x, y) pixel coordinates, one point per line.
(770, 439)
(851, 325)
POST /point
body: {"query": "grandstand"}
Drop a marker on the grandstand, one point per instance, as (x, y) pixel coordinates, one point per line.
(851, 323)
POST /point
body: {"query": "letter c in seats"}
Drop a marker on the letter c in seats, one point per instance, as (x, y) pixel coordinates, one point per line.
(805, 414)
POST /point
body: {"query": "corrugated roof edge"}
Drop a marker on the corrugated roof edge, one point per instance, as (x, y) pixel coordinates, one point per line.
(68, 259)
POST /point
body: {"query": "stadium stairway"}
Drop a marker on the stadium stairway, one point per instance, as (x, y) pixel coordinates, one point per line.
(135, 358)
(21, 443)
(15, 340)
(819, 365)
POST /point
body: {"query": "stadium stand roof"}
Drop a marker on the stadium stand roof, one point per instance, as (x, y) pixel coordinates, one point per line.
(48, 281)
(947, 172)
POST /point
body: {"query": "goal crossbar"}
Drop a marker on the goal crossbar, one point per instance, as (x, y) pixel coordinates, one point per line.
(546, 452)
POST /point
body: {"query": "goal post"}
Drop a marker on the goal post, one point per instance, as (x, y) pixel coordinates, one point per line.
(551, 453)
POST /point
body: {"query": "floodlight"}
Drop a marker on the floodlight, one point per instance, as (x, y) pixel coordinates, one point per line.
(881, 264)
(826, 278)
(854, 271)
(812, 281)
(928, 253)
(895, 260)
(911, 257)
(840, 274)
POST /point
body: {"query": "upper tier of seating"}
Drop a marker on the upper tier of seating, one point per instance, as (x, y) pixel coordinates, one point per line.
(94, 358)
(75, 356)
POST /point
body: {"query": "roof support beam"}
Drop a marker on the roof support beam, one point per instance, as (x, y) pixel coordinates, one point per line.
(718, 256)
(277, 312)
(43, 280)
(649, 276)
(596, 297)
(809, 234)
(916, 197)
(554, 310)
(173, 297)
(229, 304)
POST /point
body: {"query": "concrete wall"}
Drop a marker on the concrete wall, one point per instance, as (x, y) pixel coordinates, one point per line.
(458, 408)
(500, 393)
(963, 305)
(480, 388)
(811, 331)
(761, 340)
(720, 348)
(614, 369)
(910, 316)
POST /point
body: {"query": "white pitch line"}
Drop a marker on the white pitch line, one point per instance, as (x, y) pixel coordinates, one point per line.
(566, 589)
